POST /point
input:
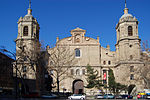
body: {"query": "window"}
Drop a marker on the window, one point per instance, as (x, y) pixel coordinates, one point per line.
(130, 31)
(104, 62)
(24, 68)
(77, 52)
(109, 62)
(77, 72)
(132, 77)
(83, 71)
(25, 31)
(72, 71)
(131, 68)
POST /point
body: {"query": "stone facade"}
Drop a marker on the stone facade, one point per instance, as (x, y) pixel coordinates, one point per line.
(127, 55)
(26, 45)
(88, 51)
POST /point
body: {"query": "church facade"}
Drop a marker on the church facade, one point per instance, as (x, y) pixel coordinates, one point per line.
(87, 50)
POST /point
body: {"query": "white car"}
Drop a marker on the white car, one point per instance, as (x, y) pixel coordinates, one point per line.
(77, 96)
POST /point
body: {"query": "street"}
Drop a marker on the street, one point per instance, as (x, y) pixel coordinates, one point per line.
(57, 99)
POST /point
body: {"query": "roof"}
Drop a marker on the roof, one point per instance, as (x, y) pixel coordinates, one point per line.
(126, 15)
(78, 30)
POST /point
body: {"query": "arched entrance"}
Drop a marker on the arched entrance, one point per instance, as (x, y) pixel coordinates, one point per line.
(130, 88)
(78, 86)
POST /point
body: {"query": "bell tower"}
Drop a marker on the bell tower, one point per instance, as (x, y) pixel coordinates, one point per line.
(128, 42)
(27, 44)
(128, 50)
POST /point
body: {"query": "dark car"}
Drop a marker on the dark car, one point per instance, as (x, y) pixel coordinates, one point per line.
(49, 96)
(127, 96)
(32, 95)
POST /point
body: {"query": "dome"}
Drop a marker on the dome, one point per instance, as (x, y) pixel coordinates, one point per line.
(126, 15)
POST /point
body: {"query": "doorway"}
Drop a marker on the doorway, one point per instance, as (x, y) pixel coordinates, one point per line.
(78, 87)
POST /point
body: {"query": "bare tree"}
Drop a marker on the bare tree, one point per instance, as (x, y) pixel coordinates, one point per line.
(141, 72)
(36, 58)
(31, 60)
(144, 71)
(61, 59)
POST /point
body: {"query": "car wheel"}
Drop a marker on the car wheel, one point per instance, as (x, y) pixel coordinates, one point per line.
(82, 98)
(70, 98)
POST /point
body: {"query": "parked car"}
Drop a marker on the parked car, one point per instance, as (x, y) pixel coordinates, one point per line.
(127, 96)
(109, 96)
(32, 95)
(61, 95)
(118, 97)
(141, 96)
(99, 96)
(147, 95)
(49, 95)
(77, 96)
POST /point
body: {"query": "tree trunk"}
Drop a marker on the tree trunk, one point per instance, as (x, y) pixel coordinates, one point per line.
(58, 84)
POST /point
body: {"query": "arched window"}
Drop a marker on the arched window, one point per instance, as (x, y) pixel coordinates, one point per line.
(109, 62)
(132, 77)
(130, 33)
(25, 31)
(77, 52)
(77, 72)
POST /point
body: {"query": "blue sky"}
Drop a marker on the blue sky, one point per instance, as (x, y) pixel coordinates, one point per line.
(58, 17)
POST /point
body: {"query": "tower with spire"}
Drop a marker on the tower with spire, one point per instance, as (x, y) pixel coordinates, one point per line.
(127, 47)
(27, 44)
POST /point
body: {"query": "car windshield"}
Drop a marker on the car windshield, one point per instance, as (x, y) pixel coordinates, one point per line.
(108, 94)
(77, 95)
(148, 93)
